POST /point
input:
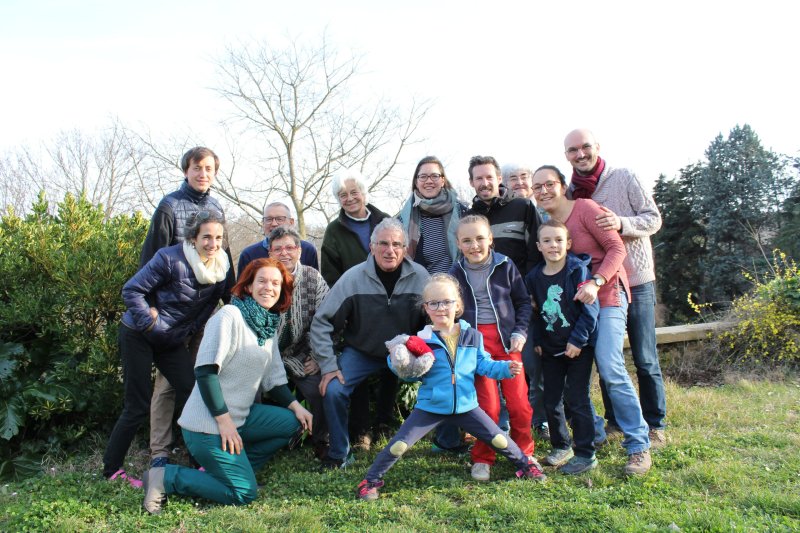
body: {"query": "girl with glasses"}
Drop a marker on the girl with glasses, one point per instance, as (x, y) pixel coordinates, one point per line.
(447, 392)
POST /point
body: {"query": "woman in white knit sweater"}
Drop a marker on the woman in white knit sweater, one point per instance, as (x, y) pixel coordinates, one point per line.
(229, 435)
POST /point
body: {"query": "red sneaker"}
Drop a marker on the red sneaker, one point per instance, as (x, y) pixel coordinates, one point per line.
(368, 490)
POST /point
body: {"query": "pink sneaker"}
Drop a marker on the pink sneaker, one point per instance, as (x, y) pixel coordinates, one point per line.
(121, 474)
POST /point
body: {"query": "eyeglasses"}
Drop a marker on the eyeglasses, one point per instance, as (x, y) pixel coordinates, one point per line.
(586, 148)
(387, 244)
(429, 177)
(203, 216)
(277, 250)
(434, 305)
(355, 193)
(547, 185)
(279, 220)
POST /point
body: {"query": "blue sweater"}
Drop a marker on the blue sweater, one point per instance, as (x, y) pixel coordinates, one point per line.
(259, 250)
(448, 388)
(511, 302)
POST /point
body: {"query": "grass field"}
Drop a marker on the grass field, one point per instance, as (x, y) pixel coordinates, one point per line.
(732, 464)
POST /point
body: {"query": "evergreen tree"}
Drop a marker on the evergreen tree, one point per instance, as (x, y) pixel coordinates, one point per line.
(736, 201)
(679, 246)
(788, 239)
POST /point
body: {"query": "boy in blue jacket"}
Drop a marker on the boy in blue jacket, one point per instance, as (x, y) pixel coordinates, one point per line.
(564, 330)
(448, 391)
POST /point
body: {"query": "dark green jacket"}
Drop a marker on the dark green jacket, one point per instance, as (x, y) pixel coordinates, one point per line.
(341, 248)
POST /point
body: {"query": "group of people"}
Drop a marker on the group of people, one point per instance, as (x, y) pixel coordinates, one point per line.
(512, 298)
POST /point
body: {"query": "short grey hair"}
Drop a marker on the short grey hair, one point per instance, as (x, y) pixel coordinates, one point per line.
(281, 204)
(283, 231)
(391, 224)
(337, 184)
(513, 168)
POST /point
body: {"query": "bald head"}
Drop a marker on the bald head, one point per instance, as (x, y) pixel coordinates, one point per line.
(582, 150)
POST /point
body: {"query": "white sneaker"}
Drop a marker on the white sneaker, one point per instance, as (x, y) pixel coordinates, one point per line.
(480, 472)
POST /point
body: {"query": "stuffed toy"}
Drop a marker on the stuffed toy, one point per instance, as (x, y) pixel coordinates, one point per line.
(410, 356)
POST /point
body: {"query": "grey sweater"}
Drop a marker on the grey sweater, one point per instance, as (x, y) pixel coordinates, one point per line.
(620, 190)
(230, 344)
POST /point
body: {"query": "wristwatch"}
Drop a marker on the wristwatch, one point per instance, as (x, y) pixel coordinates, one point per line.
(599, 281)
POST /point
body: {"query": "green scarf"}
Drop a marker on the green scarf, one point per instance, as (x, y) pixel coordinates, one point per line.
(260, 320)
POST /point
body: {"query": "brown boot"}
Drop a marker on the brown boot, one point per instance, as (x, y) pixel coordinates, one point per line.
(658, 439)
(639, 463)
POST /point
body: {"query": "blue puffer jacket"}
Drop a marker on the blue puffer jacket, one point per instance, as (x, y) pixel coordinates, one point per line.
(183, 304)
(511, 302)
(448, 388)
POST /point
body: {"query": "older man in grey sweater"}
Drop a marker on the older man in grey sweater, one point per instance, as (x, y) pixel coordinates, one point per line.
(630, 210)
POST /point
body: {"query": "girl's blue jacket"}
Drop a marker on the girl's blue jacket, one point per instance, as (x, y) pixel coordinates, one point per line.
(448, 388)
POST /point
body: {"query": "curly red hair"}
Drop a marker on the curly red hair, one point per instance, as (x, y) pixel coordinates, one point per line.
(246, 279)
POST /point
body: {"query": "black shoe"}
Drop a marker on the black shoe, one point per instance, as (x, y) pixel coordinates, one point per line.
(461, 449)
(329, 463)
(542, 431)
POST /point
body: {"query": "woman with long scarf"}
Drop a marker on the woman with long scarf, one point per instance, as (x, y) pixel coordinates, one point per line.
(225, 431)
(430, 217)
(168, 301)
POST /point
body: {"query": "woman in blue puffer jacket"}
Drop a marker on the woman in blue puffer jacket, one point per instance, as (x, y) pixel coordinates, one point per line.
(168, 300)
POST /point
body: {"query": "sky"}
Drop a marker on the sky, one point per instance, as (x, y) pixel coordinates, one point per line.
(656, 82)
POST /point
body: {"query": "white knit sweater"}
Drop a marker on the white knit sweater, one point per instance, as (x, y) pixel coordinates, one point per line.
(229, 343)
(620, 190)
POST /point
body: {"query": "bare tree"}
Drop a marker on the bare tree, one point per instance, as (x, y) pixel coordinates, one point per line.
(104, 167)
(295, 103)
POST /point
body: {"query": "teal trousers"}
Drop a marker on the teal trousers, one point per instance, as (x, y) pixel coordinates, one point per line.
(231, 478)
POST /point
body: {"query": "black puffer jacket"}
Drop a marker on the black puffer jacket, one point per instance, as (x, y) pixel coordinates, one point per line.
(183, 303)
(170, 220)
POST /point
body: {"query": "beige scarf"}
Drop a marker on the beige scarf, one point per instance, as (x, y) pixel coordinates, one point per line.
(213, 272)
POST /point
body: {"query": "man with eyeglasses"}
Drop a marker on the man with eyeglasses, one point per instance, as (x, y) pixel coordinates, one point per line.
(277, 214)
(514, 221)
(174, 212)
(370, 304)
(630, 210)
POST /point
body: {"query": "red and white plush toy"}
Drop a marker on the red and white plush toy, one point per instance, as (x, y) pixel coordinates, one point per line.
(410, 356)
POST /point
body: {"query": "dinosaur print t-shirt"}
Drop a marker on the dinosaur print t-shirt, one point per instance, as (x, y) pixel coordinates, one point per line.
(551, 308)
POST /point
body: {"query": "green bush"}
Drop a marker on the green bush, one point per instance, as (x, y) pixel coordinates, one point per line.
(60, 305)
(766, 322)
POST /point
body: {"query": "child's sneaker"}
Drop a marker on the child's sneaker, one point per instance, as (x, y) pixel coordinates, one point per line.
(481, 472)
(579, 465)
(368, 490)
(558, 457)
(532, 471)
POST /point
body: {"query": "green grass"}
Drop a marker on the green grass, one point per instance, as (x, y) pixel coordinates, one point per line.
(733, 463)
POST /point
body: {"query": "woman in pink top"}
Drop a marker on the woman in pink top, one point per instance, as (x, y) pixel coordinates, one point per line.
(610, 286)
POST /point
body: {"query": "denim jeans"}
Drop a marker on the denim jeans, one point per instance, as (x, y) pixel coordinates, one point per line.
(355, 367)
(611, 366)
(533, 369)
(642, 336)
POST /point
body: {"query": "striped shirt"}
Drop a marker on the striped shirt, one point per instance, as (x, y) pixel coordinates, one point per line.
(432, 248)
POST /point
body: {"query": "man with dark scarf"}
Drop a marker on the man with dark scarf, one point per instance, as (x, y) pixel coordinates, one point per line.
(630, 210)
